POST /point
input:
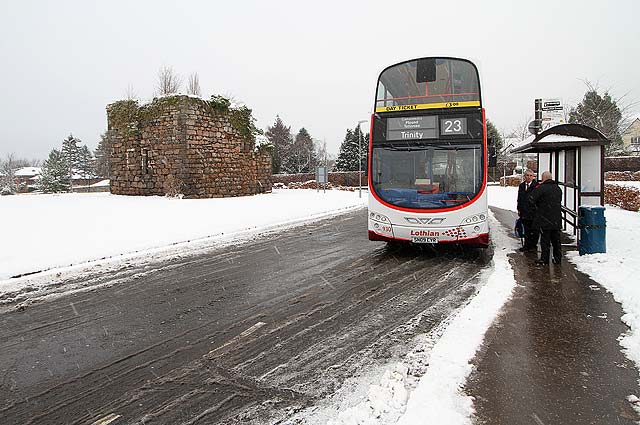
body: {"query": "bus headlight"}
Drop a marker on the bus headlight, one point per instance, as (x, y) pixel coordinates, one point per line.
(474, 219)
(378, 217)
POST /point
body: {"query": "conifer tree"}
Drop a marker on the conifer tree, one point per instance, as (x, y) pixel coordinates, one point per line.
(354, 143)
(601, 113)
(70, 153)
(55, 174)
(85, 165)
(494, 135)
(7, 175)
(280, 137)
(302, 154)
(102, 155)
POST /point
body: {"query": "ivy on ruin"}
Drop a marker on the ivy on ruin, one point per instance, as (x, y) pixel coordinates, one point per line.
(126, 114)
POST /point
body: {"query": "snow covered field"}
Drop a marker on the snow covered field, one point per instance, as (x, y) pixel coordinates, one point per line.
(41, 232)
(53, 231)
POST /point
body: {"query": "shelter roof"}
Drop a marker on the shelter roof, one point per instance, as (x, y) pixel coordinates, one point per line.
(563, 136)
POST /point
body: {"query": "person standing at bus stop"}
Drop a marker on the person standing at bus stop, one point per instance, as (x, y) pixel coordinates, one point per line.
(525, 211)
(546, 200)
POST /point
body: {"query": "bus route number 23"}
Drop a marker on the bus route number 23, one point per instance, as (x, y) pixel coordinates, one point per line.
(454, 126)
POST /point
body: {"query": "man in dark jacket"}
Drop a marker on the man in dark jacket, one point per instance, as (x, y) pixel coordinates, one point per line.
(525, 211)
(546, 200)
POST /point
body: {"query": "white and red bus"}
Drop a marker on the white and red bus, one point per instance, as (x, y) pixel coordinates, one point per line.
(428, 154)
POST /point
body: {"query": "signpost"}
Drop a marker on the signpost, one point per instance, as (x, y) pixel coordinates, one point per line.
(550, 112)
(322, 178)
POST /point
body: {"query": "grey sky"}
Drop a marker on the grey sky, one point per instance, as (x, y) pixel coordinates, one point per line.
(313, 63)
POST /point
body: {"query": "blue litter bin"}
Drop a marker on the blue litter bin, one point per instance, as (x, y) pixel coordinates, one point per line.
(593, 230)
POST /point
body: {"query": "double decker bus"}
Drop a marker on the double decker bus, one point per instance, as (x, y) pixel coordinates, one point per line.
(427, 165)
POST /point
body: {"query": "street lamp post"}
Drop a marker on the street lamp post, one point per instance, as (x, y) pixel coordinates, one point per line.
(360, 161)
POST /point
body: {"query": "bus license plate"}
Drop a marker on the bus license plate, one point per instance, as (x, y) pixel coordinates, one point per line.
(422, 239)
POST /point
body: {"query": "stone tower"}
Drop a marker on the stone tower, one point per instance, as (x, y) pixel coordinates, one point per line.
(184, 145)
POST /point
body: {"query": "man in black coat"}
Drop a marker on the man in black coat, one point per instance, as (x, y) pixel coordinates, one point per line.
(525, 211)
(546, 200)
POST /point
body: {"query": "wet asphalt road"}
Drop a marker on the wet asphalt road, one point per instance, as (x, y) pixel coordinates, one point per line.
(244, 333)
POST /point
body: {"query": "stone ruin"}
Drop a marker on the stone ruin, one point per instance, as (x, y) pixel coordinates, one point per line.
(182, 145)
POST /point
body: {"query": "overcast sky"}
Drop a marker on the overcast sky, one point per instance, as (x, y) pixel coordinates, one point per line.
(313, 63)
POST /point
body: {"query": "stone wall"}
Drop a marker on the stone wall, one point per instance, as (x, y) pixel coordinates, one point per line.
(182, 145)
(336, 178)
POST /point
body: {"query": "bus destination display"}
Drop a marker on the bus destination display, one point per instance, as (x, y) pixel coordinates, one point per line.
(412, 128)
(424, 127)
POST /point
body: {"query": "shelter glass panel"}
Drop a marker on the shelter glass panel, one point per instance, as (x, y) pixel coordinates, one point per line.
(544, 163)
(590, 172)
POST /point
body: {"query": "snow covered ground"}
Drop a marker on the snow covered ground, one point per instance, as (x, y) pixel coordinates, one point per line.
(42, 232)
(53, 231)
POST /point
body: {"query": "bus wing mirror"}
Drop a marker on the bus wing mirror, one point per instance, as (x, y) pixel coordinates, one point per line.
(426, 70)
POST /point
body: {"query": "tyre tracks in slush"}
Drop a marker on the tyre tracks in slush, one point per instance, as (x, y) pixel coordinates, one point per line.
(235, 334)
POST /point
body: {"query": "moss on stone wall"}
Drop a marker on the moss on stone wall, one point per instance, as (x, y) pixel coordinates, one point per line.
(128, 114)
(122, 113)
(241, 118)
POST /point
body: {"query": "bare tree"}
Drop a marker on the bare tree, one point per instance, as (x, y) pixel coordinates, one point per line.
(130, 93)
(193, 84)
(521, 130)
(168, 81)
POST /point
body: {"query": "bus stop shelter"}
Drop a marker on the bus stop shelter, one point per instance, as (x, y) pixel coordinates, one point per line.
(574, 154)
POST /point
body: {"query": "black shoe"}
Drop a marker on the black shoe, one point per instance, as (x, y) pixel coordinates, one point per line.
(541, 263)
(557, 261)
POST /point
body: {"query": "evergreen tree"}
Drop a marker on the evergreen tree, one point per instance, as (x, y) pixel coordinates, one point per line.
(55, 174)
(102, 155)
(494, 134)
(70, 153)
(354, 142)
(601, 113)
(85, 165)
(302, 155)
(7, 175)
(280, 137)
(364, 153)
